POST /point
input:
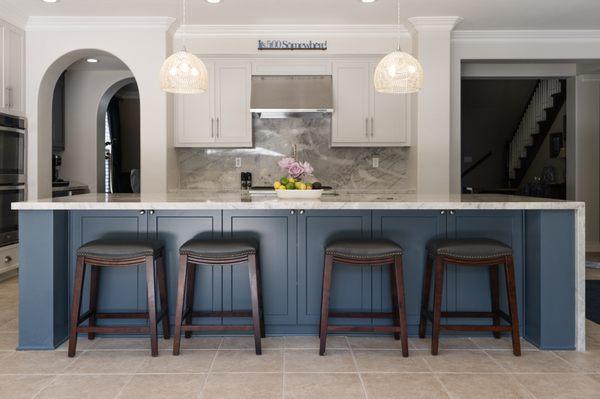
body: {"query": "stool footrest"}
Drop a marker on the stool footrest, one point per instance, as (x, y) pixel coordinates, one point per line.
(115, 329)
(134, 315)
(362, 315)
(340, 328)
(233, 313)
(469, 327)
(471, 315)
(197, 327)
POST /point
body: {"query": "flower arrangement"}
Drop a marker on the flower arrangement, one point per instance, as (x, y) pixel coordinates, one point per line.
(296, 172)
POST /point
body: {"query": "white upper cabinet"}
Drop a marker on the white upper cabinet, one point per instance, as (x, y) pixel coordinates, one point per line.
(362, 116)
(350, 125)
(13, 69)
(221, 116)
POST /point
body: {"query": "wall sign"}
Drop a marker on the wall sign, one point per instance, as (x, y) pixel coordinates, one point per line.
(291, 45)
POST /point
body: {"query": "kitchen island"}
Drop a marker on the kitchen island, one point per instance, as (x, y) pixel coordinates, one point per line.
(547, 238)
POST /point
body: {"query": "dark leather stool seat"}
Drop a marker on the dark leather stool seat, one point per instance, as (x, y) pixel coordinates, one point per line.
(470, 248)
(197, 252)
(218, 249)
(472, 252)
(361, 249)
(116, 249)
(121, 253)
(365, 252)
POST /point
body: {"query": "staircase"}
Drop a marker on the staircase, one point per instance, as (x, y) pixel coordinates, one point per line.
(546, 102)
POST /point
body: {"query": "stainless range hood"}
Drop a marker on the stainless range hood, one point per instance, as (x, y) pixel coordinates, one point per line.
(285, 96)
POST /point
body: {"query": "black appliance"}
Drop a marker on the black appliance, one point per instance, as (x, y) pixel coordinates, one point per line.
(13, 142)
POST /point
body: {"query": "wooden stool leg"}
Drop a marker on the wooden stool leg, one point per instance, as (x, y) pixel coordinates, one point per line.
(260, 297)
(255, 302)
(400, 296)
(511, 288)
(438, 290)
(324, 324)
(395, 309)
(189, 299)
(150, 286)
(425, 296)
(162, 289)
(93, 308)
(76, 304)
(179, 303)
(495, 292)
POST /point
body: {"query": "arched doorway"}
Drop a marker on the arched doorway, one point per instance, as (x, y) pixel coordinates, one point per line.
(89, 82)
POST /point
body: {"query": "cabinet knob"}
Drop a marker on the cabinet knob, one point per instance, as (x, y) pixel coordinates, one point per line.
(442, 212)
(7, 259)
(151, 211)
(302, 211)
(142, 212)
(452, 212)
(292, 212)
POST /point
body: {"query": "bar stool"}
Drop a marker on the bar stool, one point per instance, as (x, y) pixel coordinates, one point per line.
(365, 252)
(470, 252)
(213, 253)
(120, 253)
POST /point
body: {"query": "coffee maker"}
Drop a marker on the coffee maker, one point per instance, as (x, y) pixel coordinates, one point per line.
(56, 164)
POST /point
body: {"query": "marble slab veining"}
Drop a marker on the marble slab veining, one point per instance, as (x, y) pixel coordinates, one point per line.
(349, 167)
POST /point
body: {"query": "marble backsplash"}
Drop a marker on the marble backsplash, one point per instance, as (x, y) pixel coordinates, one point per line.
(349, 168)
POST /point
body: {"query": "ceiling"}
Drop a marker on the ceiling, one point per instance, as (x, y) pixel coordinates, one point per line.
(477, 14)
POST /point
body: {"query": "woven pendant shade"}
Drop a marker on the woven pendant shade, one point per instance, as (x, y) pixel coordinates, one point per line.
(184, 73)
(398, 73)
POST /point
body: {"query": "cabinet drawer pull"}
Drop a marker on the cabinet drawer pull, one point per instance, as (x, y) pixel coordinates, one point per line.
(367, 127)
(7, 259)
(372, 127)
(142, 212)
(152, 212)
(218, 127)
(442, 212)
(212, 127)
(292, 212)
(302, 211)
(452, 212)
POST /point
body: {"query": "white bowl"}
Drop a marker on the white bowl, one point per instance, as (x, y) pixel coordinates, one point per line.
(299, 194)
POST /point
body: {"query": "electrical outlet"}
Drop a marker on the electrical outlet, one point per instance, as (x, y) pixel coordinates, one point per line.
(238, 162)
(375, 162)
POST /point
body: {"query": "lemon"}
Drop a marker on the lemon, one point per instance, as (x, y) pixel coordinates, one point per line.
(302, 186)
(291, 180)
(280, 188)
(298, 184)
(277, 185)
(309, 186)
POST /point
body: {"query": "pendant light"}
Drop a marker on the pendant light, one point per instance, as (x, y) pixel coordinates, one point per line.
(183, 72)
(398, 72)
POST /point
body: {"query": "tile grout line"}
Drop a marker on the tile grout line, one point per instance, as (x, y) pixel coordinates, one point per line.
(124, 386)
(46, 385)
(511, 376)
(283, 351)
(212, 363)
(360, 378)
(578, 370)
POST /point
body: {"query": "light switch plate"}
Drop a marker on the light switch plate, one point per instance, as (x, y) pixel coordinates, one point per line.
(238, 162)
(375, 162)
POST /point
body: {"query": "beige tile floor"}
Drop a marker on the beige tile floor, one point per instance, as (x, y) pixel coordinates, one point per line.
(290, 367)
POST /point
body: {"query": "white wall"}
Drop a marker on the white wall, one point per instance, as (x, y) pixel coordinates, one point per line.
(83, 92)
(55, 43)
(587, 154)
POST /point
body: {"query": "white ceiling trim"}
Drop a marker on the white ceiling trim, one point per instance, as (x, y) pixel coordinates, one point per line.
(98, 23)
(525, 35)
(441, 23)
(245, 31)
(12, 15)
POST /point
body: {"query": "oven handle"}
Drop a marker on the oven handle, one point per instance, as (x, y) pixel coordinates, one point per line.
(15, 188)
(11, 129)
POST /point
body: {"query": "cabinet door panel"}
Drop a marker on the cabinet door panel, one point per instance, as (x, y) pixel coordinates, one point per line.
(232, 100)
(120, 287)
(14, 82)
(469, 286)
(351, 287)
(174, 228)
(275, 233)
(351, 85)
(391, 117)
(411, 230)
(194, 124)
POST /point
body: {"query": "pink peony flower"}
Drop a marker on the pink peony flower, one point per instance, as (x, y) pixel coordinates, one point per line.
(296, 170)
(308, 169)
(285, 163)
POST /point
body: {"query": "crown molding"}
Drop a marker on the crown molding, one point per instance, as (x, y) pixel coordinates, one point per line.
(524, 35)
(99, 23)
(253, 31)
(440, 23)
(12, 16)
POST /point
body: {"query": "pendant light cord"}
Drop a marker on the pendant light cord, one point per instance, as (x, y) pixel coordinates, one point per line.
(183, 23)
(399, 28)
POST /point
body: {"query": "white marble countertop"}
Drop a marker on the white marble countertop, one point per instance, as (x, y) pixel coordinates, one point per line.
(340, 200)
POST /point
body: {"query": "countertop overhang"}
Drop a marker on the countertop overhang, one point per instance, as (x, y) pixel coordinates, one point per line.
(339, 201)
